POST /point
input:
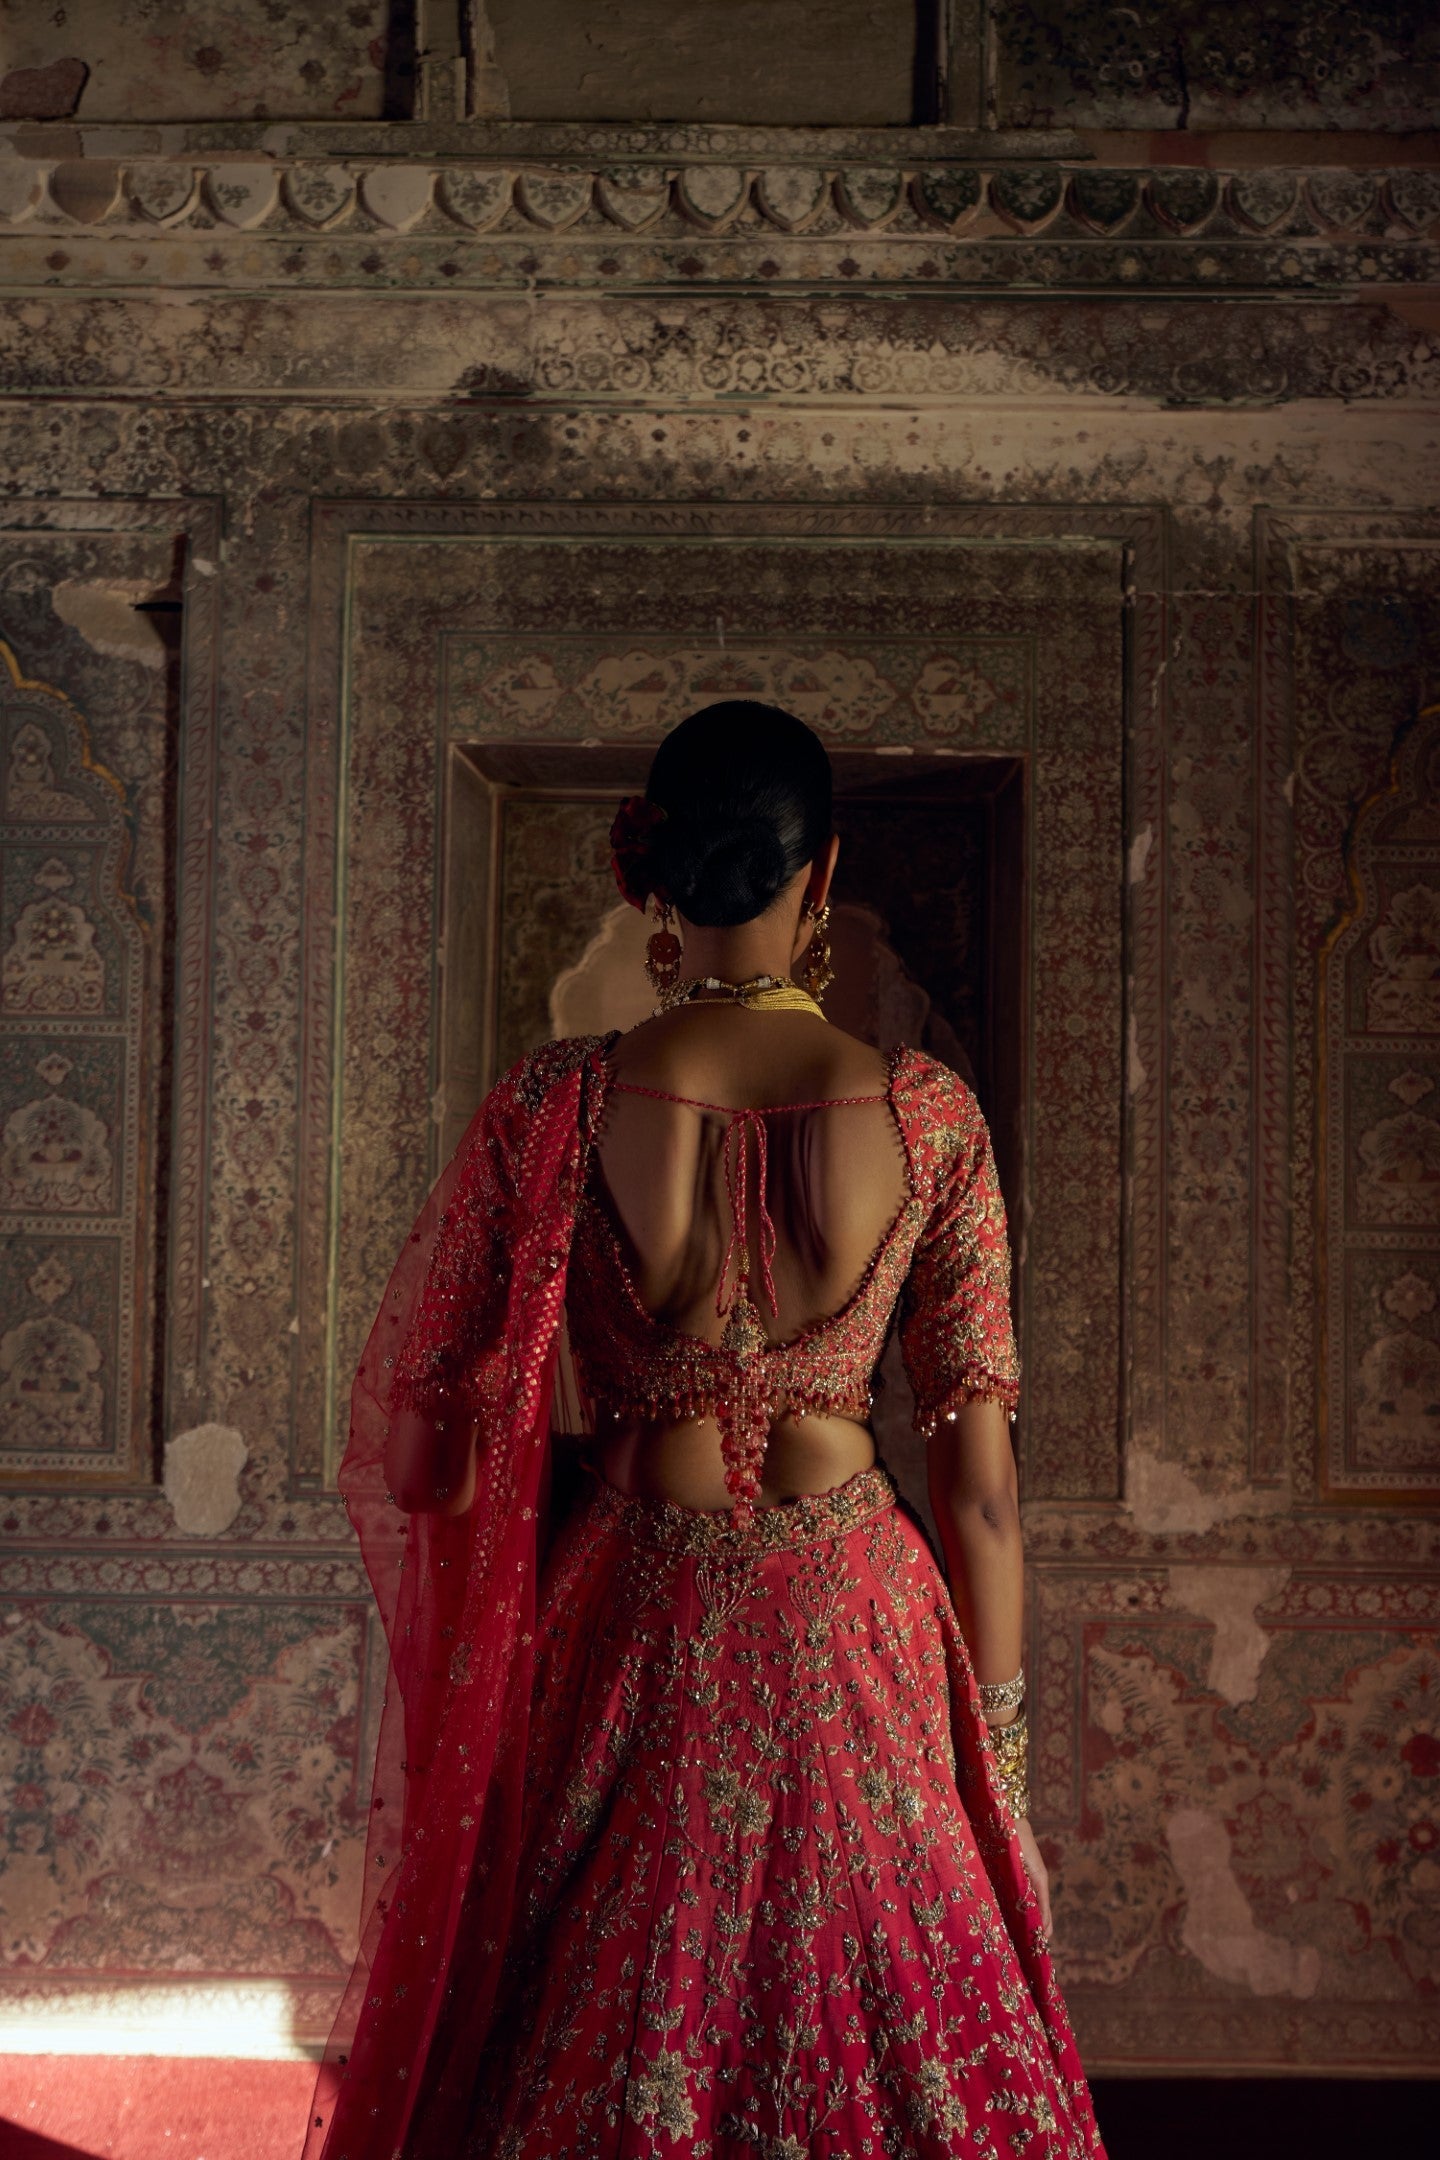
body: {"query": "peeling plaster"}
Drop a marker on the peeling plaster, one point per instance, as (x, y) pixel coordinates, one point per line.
(1139, 852)
(1163, 1496)
(1219, 1928)
(105, 616)
(1135, 1074)
(1229, 1596)
(202, 1472)
(44, 93)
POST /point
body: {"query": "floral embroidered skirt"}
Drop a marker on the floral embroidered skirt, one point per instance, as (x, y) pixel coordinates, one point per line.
(768, 1905)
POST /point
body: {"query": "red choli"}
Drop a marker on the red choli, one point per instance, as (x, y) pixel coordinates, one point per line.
(471, 1321)
(945, 1260)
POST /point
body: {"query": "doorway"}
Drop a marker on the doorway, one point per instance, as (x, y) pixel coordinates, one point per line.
(928, 931)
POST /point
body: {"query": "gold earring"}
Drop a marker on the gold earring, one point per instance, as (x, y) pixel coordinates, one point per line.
(816, 973)
(662, 952)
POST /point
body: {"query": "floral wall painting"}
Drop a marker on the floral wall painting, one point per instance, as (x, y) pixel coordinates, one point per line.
(385, 474)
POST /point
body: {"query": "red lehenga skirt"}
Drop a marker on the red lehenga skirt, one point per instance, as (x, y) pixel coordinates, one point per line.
(767, 1903)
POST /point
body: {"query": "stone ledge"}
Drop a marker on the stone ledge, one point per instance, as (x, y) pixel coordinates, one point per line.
(973, 202)
(538, 141)
(1043, 227)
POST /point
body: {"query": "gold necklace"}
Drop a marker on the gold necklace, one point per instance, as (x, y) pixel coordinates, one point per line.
(758, 993)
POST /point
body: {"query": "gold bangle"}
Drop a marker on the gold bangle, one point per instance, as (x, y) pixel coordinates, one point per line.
(1010, 1747)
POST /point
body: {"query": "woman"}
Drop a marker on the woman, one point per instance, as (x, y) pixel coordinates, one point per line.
(715, 1836)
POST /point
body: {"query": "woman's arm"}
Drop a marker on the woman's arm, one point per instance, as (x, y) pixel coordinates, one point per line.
(975, 1496)
(976, 1500)
(959, 1349)
(430, 1460)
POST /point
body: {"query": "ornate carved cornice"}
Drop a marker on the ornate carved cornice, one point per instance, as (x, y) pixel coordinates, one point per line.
(193, 207)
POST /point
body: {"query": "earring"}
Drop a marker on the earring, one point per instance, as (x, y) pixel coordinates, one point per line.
(815, 971)
(662, 952)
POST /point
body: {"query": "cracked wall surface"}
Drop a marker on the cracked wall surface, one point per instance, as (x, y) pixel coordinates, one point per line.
(166, 60)
(317, 434)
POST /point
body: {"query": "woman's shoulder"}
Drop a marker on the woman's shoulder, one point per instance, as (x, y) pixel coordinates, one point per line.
(929, 1080)
(940, 1111)
(529, 1080)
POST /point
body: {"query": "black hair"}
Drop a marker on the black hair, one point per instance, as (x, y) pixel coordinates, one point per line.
(747, 794)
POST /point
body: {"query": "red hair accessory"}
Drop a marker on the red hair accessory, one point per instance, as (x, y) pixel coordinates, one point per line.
(630, 840)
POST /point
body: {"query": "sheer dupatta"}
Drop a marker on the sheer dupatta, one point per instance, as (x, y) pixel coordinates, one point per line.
(470, 1322)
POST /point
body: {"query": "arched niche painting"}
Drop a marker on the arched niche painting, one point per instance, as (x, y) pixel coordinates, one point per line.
(76, 1020)
(1379, 1110)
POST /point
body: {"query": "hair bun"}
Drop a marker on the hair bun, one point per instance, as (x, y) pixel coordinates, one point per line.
(723, 873)
(746, 790)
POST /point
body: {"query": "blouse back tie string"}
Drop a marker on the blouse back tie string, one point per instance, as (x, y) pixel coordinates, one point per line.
(737, 1187)
(749, 1408)
(737, 1172)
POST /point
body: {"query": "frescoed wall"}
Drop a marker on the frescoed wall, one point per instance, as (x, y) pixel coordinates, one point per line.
(369, 453)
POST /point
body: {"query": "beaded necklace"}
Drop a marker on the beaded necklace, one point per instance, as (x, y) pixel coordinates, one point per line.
(758, 993)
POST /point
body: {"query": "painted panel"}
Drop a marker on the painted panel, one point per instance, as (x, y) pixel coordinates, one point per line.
(1008, 651)
(1379, 1189)
(1364, 613)
(1236, 1766)
(79, 1020)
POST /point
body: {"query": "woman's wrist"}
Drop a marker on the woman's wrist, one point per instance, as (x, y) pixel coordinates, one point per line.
(1010, 1748)
(1002, 1701)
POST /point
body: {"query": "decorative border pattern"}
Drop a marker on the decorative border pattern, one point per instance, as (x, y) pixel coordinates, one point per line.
(1383, 846)
(1288, 1373)
(194, 525)
(472, 363)
(1087, 201)
(1124, 227)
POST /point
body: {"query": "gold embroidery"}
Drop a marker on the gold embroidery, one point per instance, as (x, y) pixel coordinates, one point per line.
(744, 1336)
(808, 1520)
(754, 1911)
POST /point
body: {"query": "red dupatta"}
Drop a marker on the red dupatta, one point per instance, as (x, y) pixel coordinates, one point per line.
(473, 1307)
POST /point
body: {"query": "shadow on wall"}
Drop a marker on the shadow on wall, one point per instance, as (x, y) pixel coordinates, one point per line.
(18, 2144)
(1258, 2118)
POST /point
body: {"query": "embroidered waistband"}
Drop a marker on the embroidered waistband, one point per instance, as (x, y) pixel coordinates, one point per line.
(810, 1519)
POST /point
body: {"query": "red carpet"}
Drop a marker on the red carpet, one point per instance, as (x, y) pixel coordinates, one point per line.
(151, 2107)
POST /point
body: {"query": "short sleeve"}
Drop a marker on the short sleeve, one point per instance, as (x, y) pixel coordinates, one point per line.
(956, 1334)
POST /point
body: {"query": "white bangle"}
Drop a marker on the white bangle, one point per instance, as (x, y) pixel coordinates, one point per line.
(1002, 1694)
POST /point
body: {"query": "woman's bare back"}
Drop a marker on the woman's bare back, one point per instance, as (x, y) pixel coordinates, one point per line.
(835, 1180)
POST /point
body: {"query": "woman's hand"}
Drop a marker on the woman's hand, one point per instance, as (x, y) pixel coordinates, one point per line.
(1035, 1869)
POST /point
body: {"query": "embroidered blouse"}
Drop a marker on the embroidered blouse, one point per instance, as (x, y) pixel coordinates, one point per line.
(941, 1272)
